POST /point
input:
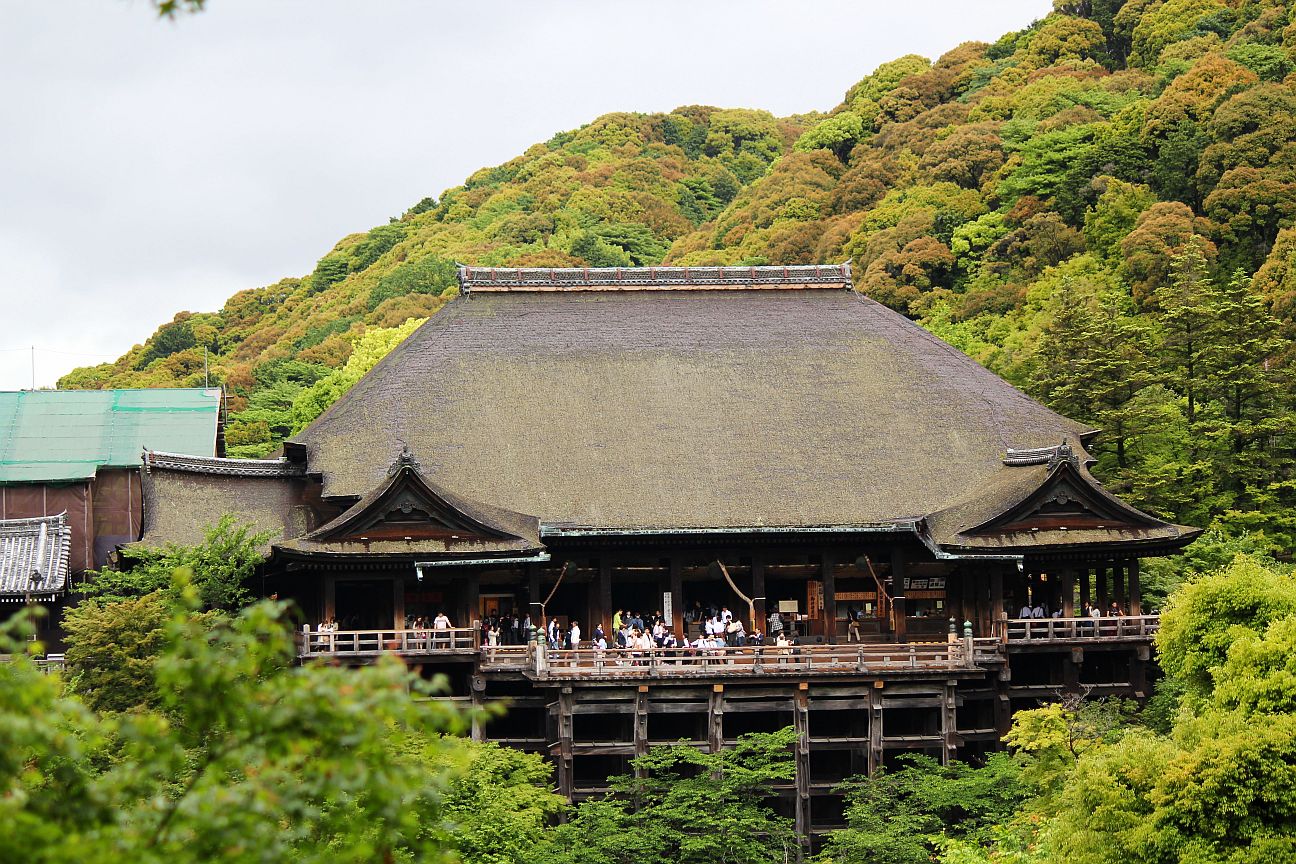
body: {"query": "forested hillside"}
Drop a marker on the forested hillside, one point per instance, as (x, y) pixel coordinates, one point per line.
(1099, 207)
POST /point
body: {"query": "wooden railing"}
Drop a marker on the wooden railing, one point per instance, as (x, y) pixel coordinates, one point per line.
(1117, 628)
(504, 658)
(366, 643)
(47, 664)
(766, 660)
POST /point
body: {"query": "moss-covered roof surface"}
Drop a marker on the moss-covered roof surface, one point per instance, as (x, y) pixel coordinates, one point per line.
(682, 409)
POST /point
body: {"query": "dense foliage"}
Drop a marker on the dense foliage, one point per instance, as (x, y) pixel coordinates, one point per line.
(238, 755)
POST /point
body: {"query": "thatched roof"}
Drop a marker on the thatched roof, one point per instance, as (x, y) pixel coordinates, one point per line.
(709, 408)
(184, 497)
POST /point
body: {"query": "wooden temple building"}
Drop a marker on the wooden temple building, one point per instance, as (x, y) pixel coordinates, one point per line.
(574, 442)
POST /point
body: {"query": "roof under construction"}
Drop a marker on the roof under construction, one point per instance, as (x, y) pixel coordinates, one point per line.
(51, 436)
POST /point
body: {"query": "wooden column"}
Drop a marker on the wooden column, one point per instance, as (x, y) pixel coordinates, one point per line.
(1135, 590)
(949, 722)
(472, 599)
(565, 774)
(1068, 593)
(801, 722)
(641, 726)
(398, 603)
(535, 597)
(996, 601)
(758, 593)
(1118, 583)
(875, 727)
(898, 624)
(827, 571)
(715, 719)
(678, 612)
(1085, 596)
(477, 684)
(1103, 598)
(602, 611)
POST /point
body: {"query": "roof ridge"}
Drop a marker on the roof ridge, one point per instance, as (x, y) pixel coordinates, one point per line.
(666, 278)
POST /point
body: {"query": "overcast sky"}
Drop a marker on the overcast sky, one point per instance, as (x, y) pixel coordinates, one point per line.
(150, 167)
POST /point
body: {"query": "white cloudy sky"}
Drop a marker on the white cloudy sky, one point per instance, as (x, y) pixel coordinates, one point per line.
(148, 167)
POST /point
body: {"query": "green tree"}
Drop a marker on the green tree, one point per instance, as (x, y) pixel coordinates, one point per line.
(221, 566)
(371, 347)
(112, 649)
(1205, 617)
(685, 806)
(1188, 313)
(248, 758)
(905, 815)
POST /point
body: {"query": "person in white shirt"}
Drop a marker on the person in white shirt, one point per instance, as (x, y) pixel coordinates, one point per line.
(574, 634)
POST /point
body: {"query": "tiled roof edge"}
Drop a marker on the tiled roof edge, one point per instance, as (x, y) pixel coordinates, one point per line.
(223, 466)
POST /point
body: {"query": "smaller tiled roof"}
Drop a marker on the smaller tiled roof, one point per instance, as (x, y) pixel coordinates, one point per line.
(51, 436)
(223, 466)
(652, 278)
(34, 557)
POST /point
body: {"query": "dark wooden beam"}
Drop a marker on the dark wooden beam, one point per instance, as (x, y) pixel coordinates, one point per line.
(534, 596)
(828, 575)
(1135, 589)
(678, 612)
(758, 593)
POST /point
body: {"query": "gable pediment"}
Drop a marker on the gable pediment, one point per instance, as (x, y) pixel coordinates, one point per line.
(1068, 499)
(408, 507)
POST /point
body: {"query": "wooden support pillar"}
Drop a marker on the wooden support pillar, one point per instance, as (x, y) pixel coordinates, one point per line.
(949, 722)
(472, 599)
(715, 719)
(1085, 596)
(1071, 664)
(1068, 593)
(1118, 583)
(801, 722)
(828, 574)
(875, 727)
(1103, 598)
(535, 597)
(398, 603)
(1003, 704)
(758, 594)
(679, 615)
(641, 726)
(898, 624)
(996, 600)
(602, 611)
(566, 776)
(1138, 671)
(477, 685)
(1135, 590)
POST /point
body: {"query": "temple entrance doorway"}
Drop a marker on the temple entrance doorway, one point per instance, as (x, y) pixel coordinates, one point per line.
(364, 605)
(497, 605)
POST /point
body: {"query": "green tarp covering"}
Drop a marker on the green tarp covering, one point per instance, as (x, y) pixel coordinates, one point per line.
(66, 435)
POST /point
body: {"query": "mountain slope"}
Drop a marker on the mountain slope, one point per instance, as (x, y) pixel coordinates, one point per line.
(1098, 207)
